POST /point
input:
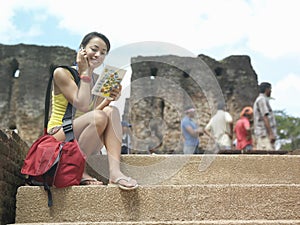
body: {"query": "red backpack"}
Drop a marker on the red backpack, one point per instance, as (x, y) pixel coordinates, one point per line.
(55, 163)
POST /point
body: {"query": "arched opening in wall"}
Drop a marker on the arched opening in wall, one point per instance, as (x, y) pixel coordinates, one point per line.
(153, 73)
(15, 68)
(162, 105)
(218, 71)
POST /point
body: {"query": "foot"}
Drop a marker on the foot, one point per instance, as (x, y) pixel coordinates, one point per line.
(90, 181)
(125, 183)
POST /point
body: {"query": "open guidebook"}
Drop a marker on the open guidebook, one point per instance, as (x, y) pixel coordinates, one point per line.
(110, 77)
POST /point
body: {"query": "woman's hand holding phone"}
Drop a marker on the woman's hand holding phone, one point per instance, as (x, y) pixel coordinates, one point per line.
(82, 62)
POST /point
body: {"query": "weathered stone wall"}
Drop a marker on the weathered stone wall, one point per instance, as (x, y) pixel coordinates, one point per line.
(22, 98)
(12, 153)
(237, 79)
(156, 104)
(162, 86)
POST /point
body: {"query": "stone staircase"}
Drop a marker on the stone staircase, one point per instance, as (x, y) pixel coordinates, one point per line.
(176, 189)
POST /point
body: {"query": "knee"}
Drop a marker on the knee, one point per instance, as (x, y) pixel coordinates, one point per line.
(109, 110)
(100, 118)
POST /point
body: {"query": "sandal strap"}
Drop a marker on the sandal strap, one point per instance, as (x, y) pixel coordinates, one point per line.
(122, 178)
(88, 179)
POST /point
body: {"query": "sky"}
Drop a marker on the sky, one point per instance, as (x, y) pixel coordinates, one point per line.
(265, 30)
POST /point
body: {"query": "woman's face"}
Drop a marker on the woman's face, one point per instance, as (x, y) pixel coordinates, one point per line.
(96, 51)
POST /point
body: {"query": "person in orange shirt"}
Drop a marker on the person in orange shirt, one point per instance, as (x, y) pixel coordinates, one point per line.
(242, 130)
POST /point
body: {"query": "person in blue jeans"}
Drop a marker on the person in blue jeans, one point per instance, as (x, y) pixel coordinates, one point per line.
(190, 131)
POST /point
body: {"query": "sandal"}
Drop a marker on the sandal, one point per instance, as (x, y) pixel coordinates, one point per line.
(123, 186)
(90, 181)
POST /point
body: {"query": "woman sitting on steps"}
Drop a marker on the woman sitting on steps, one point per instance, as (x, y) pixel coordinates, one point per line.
(99, 123)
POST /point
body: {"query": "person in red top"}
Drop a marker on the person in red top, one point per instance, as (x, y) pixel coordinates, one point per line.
(242, 130)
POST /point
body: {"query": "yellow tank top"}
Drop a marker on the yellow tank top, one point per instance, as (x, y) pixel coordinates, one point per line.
(59, 106)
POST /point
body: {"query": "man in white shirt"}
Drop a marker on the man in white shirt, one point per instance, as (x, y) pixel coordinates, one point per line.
(220, 128)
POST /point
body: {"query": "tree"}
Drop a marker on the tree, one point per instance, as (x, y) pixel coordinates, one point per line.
(288, 130)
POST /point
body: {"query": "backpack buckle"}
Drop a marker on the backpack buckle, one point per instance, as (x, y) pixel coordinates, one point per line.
(68, 129)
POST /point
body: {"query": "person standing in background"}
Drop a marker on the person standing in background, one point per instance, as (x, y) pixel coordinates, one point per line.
(126, 138)
(242, 130)
(220, 128)
(190, 132)
(264, 121)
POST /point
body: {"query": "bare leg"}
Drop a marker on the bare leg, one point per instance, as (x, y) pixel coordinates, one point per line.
(88, 135)
(87, 129)
(112, 139)
(91, 128)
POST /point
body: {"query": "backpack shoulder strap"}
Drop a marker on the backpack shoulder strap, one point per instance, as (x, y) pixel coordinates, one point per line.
(67, 119)
(73, 71)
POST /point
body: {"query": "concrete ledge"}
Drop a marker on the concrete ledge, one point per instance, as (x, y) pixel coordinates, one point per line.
(160, 203)
(205, 169)
(204, 222)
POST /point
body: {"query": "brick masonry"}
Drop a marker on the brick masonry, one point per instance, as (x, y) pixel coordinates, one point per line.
(12, 153)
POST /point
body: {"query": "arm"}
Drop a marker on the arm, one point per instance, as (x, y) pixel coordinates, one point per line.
(103, 102)
(264, 110)
(249, 135)
(269, 130)
(208, 134)
(230, 134)
(248, 130)
(63, 83)
(229, 120)
(207, 130)
(192, 132)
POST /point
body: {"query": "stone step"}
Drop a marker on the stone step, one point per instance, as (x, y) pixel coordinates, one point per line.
(203, 222)
(204, 169)
(161, 203)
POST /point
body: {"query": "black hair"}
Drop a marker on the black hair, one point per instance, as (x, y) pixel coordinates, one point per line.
(263, 86)
(91, 35)
(221, 106)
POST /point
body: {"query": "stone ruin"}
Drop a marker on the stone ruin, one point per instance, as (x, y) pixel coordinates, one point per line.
(161, 87)
(24, 73)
